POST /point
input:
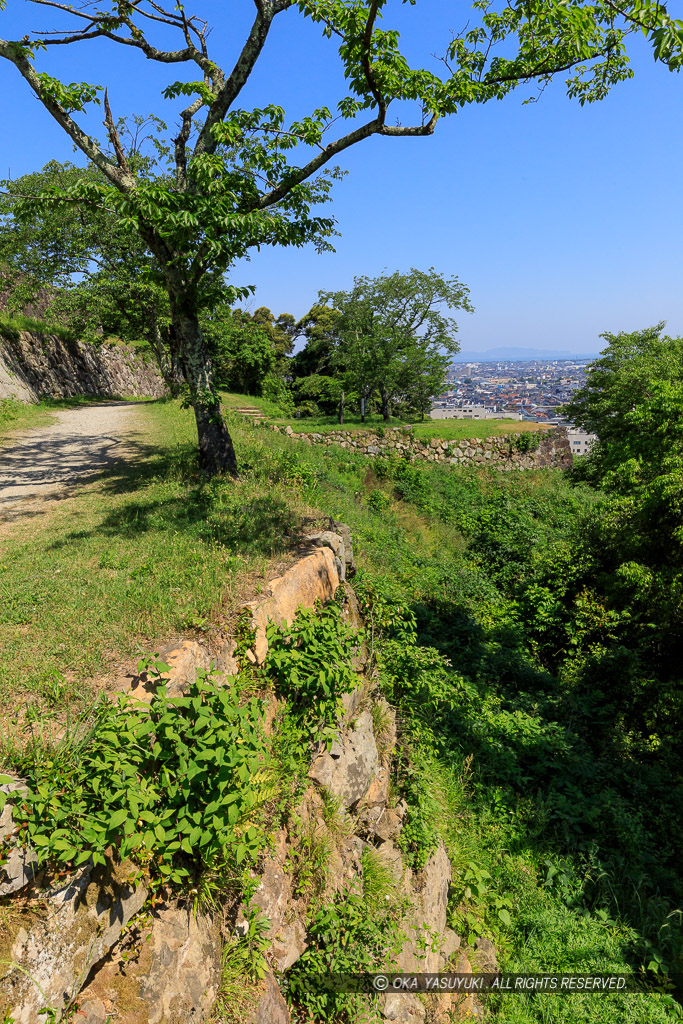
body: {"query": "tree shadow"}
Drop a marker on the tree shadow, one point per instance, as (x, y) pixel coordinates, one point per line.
(563, 763)
(229, 516)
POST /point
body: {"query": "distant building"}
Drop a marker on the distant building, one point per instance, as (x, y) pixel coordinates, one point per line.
(580, 441)
(471, 412)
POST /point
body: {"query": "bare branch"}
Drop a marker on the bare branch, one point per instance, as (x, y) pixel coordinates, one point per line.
(365, 60)
(114, 136)
(95, 30)
(411, 132)
(375, 127)
(77, 37)
(123, 181)
(65, 7)
(232, 86)
(180, 142)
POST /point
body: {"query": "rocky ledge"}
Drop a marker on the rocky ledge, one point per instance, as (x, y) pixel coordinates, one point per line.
(94, 944)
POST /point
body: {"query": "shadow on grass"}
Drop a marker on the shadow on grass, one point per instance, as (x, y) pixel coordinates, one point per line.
(164, 492)
(566, 772)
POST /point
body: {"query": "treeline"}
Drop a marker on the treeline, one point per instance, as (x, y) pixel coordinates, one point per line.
(383, 345)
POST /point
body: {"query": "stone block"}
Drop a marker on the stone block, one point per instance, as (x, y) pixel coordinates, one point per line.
(348, 767)
(52, 954)
(271, 1007)
(312, 578)
(333, 541)
(402, 1008)
(17, 870)
(176, 976)
(184, 661)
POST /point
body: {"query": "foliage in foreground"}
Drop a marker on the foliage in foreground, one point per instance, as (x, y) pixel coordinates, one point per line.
(179, 783)
(562, 826)
(171, 783)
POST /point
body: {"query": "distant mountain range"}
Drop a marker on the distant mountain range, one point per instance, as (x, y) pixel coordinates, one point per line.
(492, 354)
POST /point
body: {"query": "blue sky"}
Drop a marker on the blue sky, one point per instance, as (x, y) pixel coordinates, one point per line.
(563, 221)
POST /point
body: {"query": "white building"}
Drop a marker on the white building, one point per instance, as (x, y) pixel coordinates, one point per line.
(471, 412)
(580, 441)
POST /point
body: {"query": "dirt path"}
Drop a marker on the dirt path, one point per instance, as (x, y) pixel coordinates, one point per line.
(43, 464)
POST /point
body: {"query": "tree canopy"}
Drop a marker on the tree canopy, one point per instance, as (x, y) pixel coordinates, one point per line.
(633, 401)
(235, 181)
(611, 607)
(393, 336)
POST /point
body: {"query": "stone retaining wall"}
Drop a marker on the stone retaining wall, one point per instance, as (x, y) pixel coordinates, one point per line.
(504, 452)
(34, 366)
(86, 953)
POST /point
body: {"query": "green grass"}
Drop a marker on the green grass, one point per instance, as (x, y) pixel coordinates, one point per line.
(21, 415)
(560, 835)
(234, 401)
(142, 554)
(11, 325)
(446, 429)
(453, 429)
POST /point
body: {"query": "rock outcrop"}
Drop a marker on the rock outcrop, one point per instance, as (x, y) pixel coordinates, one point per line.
(51, 954)
(314, 577)
(346, 770)
(175, 977)
(18, 867)
(35, 366)
(87, 951)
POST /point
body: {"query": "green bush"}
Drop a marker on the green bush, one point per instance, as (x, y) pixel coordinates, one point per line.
(276, 391)
(310, 664)
(379, 502)
(353, 935)
(171, 783)
(8, 411)
(526, 442)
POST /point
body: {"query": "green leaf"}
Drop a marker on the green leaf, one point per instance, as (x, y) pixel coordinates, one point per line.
(117, 819)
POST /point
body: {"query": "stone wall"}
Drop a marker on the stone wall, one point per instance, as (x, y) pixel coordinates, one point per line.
(504, 452)
(97, 950)
(34, 366)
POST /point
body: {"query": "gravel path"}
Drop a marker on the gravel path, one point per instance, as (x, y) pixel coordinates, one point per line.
(43, 464)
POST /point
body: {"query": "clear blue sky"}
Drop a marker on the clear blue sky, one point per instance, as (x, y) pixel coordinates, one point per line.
(564, 222)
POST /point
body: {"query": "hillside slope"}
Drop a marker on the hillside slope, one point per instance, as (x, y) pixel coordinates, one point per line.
(560, 826)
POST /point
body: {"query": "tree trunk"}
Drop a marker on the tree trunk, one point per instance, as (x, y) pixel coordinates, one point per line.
(386, 407)
(216, 452)
(341, 409)
(166, 356)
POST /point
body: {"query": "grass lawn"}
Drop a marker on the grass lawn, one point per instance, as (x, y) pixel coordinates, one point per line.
(150, 552)
(21, 415)
(142, 555)
(446, 429)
